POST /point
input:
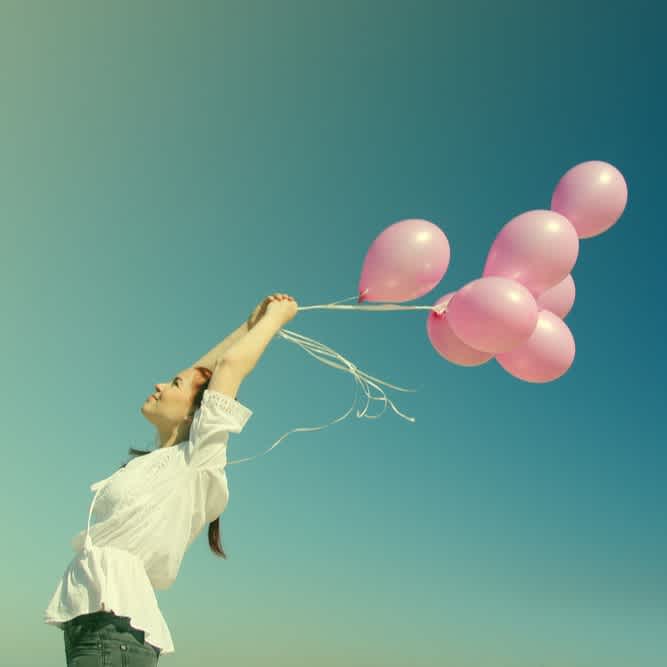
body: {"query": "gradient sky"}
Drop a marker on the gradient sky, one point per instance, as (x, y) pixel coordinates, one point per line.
(164, 166)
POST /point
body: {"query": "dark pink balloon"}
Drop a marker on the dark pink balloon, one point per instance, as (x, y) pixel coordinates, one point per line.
(546, 355)
(536, 248)
(592, 196)
(559, 299)
(492, 314)
(407, 260)
(445, 342)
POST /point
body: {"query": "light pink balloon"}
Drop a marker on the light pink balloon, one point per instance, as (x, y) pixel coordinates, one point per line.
(559, 299)
(592, 196)
(546, 355)
(537, 249)
(446, 343)
(407, 260)
(492, 314)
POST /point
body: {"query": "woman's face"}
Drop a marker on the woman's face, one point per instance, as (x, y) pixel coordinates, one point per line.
(171, 402)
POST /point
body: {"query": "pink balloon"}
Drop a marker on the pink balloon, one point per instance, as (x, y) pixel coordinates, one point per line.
(446, 343)
(559, 298)
(592, 196)
(537, 249)
(407, 260)
(492, 314)
(546, 355)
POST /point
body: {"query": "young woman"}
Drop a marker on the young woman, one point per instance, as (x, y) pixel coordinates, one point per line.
(150, 510)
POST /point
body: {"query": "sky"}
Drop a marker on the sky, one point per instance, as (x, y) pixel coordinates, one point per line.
(164, 166)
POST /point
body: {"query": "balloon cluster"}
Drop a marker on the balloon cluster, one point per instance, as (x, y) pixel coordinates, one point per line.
(514, 313)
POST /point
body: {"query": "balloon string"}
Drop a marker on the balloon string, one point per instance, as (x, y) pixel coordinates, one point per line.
(362, 380)
(383, 306)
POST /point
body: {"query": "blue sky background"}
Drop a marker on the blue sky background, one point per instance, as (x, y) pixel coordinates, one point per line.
(163, 166)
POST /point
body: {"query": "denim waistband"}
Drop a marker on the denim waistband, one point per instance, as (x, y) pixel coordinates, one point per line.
(100, 619)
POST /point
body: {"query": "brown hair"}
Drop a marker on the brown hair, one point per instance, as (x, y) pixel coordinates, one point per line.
(214, 526)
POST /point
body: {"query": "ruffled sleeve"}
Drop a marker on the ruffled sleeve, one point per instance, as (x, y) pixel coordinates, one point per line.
(217, 417)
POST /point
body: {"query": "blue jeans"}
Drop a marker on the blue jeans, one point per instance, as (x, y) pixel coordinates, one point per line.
(102, 639)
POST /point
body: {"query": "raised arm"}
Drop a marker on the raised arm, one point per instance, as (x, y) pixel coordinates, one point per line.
(216, 353)
(246, 352)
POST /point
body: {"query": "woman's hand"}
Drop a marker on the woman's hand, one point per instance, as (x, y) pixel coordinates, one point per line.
(262, 308)
(283, 306)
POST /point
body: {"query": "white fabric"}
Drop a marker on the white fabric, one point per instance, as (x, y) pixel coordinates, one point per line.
(144, 517)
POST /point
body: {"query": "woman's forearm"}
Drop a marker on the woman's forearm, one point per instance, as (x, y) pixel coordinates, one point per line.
(246, 352)
(214, 354)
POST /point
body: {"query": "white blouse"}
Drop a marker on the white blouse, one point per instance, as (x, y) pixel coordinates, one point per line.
(145, 517)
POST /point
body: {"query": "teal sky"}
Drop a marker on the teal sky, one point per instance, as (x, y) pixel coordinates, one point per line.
(164, 166)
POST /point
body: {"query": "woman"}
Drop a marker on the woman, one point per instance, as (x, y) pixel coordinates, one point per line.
(150, 510)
